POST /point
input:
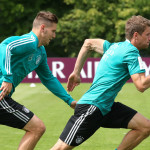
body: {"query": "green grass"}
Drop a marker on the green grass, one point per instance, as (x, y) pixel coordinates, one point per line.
(55, 113)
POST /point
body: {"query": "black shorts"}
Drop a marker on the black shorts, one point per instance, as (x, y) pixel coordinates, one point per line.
(13, 114)
(88, 118)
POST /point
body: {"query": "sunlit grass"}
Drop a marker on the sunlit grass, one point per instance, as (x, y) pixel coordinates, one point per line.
(55, 113)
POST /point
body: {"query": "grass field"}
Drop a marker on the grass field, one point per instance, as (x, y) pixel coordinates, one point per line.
(55, 113)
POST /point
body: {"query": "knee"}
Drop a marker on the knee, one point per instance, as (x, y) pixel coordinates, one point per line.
(146, 130)
(40, 128)
(35, 126)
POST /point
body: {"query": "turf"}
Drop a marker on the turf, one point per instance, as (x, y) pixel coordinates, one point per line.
(55, 113)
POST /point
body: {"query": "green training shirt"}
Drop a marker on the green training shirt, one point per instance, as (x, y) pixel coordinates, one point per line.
(119, 62)
(20, 55)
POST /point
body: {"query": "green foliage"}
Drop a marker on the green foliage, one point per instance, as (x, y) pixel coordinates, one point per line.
(86, 20)
(17, 17)
(78, 20)
(97, 19)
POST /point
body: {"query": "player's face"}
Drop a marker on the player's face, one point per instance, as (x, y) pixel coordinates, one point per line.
(144, 39)
(49, 34)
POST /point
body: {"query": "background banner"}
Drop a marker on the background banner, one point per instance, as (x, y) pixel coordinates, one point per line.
(62, 68)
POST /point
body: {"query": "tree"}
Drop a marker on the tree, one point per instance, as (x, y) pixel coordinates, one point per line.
(78, 20)
(97, 19)
(17, 17)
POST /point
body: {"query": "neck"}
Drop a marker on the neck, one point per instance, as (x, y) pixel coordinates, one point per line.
(37, 33)
(134, 43)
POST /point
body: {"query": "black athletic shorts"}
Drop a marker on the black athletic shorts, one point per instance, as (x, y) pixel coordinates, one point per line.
(13, 114)
(88, 118)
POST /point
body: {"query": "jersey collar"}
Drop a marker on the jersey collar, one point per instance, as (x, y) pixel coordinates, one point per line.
(128, 40)
(37, 40)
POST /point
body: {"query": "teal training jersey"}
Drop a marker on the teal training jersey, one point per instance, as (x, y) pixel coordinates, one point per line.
(20, 55)
(119, 62)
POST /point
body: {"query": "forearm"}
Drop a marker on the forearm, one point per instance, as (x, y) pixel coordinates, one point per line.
(145, 82)
(83, 55)
(88, 46)
(141, 81)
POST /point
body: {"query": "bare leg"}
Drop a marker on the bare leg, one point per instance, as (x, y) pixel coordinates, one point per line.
(60, 145)
(140, 130)
(34, 130)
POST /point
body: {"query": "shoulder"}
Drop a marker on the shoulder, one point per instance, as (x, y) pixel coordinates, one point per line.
(15, 41)
(10, 40)
(130, 52)
(113, 46)
(129, 48)
(42, 48)
(29, 38)
(126, 48)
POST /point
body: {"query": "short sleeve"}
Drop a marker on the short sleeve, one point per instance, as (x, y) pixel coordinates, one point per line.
(134, 62)
(106, 45)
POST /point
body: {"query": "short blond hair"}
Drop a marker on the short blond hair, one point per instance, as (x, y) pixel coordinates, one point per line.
(45, 17)
(136, 24)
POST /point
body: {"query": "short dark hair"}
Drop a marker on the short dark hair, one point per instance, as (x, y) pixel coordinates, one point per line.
(136, 24)
(45, 17)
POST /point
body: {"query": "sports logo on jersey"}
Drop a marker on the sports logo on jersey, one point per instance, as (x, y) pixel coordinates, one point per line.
(30, 57)
(38, 58)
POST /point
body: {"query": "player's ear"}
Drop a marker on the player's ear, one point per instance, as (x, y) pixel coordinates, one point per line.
(135, 35)
(42, 27)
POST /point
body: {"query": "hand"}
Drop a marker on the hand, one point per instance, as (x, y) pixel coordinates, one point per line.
(6, 88)
(73, 81)
(73, 104)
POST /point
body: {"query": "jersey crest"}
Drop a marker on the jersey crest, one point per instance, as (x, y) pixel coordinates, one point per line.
(38, 59)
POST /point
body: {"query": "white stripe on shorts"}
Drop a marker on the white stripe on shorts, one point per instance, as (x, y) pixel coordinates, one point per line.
(16, 113)
(77, 124)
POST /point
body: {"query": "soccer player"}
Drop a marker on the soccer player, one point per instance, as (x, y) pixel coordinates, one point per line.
(20, 55)
(97, 108)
